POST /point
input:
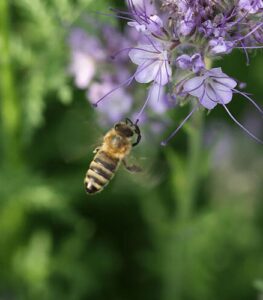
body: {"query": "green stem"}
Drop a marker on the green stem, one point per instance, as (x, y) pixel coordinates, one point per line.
(186, 172)
(187, 197)
(10, 110)
(194, 158)
(186, 175)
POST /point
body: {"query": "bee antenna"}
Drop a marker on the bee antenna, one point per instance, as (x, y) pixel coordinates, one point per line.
(138, 132)
(127, 120)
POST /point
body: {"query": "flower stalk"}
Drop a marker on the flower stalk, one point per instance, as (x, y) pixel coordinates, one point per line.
(195, 145)
(194, 162)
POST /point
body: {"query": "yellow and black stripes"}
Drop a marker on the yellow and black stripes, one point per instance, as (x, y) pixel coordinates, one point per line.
(100, 172)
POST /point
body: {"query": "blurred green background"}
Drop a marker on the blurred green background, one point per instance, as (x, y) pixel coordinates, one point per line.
(139, 238)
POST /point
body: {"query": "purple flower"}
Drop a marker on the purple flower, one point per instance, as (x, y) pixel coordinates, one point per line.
(207, 28)
(153, 64)
(152, 25)
(86, 52)
(83, 68)
(142, 7)
(188, 23)
(194, 62)
(145, 17)
(212, 88)
(116, 106)
(219, 46)
(172, 41)
(81, 42)
(251, 6)
(114, 41)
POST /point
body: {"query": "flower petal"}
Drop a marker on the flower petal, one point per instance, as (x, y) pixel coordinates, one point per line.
(184, 61)
(164, 73)
(143, 53)
(207, 102)
(227, 82)
(217, 72)
(146, 74)
(195, 86)
(224, 94)
(157, 99)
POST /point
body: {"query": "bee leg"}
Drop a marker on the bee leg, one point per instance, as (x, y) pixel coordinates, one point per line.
(96, 150)
(131, 168)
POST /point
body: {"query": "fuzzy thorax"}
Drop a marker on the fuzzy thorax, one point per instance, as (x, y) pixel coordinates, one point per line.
(116, 145)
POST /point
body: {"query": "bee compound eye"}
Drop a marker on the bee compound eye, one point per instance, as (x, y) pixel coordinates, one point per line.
(128, 132)
(117, 126)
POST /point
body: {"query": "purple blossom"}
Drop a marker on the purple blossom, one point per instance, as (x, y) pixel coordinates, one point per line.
(251, 6)
(145, 16)
(207, 28)
(86, 52)
(220, 46)
(116, 106)
(188, 23)
(212, 88)
(170, 44)
(114, 41)
(80, 41)
(152, 25)
(215, 87)
(194, 62)
(142, 7)
(101, 84)
(153, 64)
(83, 68)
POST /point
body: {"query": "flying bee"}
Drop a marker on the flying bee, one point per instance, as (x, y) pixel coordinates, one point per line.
(116, 146)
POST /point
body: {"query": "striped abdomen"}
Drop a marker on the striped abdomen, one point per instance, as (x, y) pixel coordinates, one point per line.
(100, 172)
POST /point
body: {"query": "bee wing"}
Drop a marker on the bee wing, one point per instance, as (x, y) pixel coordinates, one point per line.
(141, 171)
(133, 168)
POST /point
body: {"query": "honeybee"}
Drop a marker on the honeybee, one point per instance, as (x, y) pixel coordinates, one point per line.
(116, 146)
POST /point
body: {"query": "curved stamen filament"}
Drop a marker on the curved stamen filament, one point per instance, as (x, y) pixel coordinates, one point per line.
(126, 82)
(250, 99)
(164, 143)
(242, 126)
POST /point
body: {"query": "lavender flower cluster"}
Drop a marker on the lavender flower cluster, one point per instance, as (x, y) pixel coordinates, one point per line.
(93, 70)
(176, 40)
(89, 56)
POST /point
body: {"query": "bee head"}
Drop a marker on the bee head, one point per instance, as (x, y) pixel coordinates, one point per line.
(124, 129)
(129, 129)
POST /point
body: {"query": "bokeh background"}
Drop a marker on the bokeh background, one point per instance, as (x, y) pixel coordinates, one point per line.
(140, 238)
